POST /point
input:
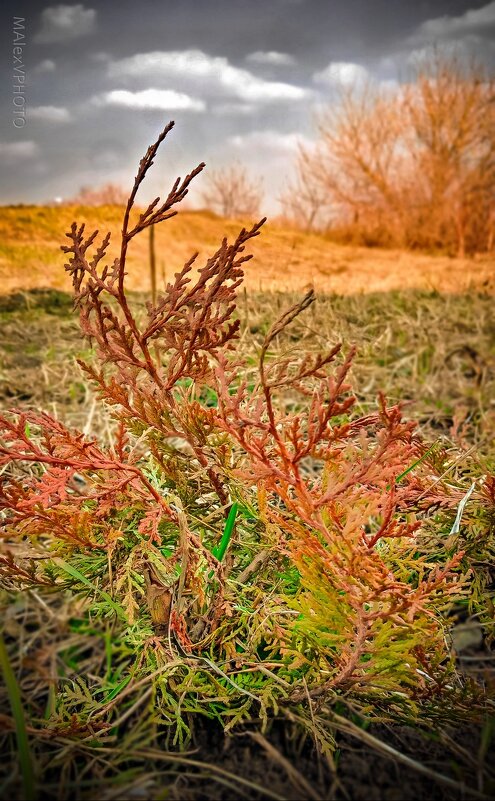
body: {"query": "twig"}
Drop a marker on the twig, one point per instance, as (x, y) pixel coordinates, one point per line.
(297, 779)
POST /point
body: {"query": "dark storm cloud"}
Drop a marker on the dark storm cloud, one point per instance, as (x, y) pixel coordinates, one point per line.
(242, 79)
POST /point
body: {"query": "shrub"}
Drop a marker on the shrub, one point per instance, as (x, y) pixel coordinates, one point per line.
(106, 195)
(231, 192)
(238, 546)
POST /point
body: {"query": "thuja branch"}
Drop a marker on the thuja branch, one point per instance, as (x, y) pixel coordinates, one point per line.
(150, 216)
(198, 431)
(185, 330)
(70, 453)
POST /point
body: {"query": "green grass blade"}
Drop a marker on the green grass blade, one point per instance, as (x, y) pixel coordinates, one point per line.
(72, 571)
(415, 464)
(24, 751)
(219, 550)
(116, 690)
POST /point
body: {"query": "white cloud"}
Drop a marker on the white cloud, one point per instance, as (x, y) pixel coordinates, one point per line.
(47, 65)
(468, 38)
(153, 99)
(215, 71)
(271, 57)
(226, 109)
(342, 73)
(269, 140)
(62, 23)
(55, 114)
(21, 150)
(473, 22)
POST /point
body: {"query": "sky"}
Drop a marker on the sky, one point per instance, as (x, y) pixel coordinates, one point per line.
(244, 80)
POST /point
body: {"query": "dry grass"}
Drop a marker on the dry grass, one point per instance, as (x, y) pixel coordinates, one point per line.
(435, 351)
(284, 259)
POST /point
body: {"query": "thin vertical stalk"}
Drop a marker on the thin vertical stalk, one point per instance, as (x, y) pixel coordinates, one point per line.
(23, 749)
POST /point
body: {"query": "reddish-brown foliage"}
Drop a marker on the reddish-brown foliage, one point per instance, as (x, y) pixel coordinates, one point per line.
(281, 436)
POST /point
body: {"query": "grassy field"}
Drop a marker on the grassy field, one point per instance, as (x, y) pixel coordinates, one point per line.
(425, 335)
(286, 260)
(434, 352)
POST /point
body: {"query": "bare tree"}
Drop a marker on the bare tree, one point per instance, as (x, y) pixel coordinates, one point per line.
(231, 192)
(451, 114)
(106, 195)
(305, 202)
(350, 178)
(414, 168)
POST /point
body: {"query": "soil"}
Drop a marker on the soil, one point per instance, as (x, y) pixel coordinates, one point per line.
(290, 770)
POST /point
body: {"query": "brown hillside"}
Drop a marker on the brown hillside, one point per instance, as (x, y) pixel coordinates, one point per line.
(284, 259)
